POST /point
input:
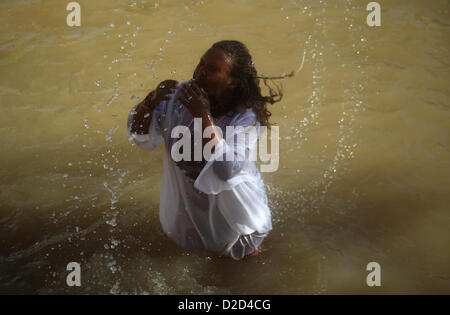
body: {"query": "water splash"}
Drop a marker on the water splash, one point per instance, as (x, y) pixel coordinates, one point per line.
(108, 137)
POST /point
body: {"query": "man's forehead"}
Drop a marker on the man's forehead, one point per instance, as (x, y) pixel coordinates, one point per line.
(216, 56)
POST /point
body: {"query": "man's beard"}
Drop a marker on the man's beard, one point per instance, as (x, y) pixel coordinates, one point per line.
(219, 109)
(218, 106)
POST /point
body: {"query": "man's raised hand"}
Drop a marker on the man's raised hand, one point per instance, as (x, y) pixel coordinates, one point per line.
(161, 93)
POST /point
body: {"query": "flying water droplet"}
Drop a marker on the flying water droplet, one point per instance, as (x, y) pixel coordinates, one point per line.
(110, 133)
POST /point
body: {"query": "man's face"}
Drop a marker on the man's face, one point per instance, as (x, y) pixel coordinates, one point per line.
(213, 74)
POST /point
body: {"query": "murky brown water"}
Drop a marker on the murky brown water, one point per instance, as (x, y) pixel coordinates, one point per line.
(364, 152)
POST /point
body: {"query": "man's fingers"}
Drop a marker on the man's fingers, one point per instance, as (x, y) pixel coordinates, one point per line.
(171, 90)
(182, 101)
(191, 91)
(170, 82)
(167, 84)
(199, 90)
(196, 88)
(203, 92)
(185, 92)
(167, 92)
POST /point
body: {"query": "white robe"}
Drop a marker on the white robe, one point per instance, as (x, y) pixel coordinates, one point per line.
(225, 203)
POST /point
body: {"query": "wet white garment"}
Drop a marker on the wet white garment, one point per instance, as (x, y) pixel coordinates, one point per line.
(225, 204)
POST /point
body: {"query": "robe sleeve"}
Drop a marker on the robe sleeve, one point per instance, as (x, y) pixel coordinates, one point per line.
(229, 165)
(239, 193)
(245, 207)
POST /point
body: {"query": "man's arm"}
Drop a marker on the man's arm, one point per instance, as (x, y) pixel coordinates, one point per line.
(142, 118)
(208, 121)
(143, 112)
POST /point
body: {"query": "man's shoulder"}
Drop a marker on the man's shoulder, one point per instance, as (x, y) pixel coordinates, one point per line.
(246, 117)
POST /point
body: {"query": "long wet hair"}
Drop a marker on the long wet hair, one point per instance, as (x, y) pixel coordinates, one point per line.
(248, 93)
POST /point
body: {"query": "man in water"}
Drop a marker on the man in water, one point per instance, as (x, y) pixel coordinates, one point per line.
(220, 204)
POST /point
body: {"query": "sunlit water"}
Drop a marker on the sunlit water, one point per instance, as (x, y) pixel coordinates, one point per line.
(364, 146)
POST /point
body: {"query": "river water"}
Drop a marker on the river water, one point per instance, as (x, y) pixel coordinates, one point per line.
(364, 171)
